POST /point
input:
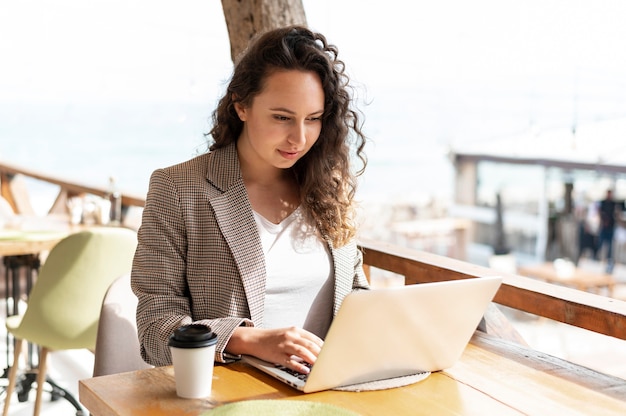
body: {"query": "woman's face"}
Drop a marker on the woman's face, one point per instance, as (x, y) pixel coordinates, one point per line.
(283, 121)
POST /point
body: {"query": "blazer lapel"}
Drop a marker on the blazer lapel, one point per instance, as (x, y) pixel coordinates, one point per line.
(233, 213)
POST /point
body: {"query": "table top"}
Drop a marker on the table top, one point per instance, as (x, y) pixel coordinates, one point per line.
(575, 276)
(492, 377)
(16, 243)
(35, 234)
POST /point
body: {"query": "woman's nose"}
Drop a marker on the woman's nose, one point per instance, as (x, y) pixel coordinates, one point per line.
(298, 134)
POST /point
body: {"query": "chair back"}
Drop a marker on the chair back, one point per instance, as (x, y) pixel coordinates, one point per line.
(64, 304)
(117, 345)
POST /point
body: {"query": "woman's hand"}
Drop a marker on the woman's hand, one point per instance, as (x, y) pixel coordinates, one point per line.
(290, 347)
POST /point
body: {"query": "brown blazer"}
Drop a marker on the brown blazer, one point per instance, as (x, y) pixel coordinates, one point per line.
(199, 257)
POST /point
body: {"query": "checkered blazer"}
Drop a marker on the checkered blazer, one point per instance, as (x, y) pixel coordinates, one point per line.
(199, 257)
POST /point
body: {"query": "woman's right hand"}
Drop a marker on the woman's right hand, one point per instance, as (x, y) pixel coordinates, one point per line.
(289, 347)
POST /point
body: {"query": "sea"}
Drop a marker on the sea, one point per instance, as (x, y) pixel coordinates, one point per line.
(89, 143)
(93, 92)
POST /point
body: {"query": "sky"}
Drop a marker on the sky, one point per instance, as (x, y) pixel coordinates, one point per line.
(527, 56)
(428, 77)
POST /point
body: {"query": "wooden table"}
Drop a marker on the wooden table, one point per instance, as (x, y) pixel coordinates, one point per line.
(18, 243)
(21, 250)
(581, 279)
(34, 234)
(493, 377)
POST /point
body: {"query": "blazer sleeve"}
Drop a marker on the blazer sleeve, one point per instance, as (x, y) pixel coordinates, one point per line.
(159, 276)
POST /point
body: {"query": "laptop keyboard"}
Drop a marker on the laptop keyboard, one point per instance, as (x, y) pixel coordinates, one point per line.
(294, 373)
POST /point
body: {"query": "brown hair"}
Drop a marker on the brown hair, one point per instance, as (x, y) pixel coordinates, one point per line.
(327, 183)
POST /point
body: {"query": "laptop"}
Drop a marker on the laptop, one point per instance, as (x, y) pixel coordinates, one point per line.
(394, 332)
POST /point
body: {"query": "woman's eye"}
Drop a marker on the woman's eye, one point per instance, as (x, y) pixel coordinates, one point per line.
(281, 118)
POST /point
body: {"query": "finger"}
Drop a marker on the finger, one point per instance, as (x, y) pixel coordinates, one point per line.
(307, 342)
(302, 344)
(296, 363)
(313, 338)
(306, 351)
(313, 347)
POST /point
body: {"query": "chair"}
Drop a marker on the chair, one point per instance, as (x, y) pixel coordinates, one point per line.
(63, 307)
(117, 345)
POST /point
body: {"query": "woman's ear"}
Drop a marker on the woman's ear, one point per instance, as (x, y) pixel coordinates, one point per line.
(240, 109)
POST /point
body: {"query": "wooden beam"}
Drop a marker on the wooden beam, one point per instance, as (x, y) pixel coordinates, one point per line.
(71, 188)
(5, 190)
(596, 313)
(14, 191)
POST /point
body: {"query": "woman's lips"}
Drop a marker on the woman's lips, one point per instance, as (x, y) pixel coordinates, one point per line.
(289, 155)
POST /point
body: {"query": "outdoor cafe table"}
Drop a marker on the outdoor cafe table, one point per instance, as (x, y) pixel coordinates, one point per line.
(582, 279)
(19, 243)
(493, 377)
(34, 235)
(20, 250)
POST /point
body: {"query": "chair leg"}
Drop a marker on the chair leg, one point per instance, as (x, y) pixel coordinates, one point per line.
(41, 378)
(13, 375)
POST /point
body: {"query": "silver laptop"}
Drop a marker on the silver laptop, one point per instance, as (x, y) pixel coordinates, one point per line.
(386, 333)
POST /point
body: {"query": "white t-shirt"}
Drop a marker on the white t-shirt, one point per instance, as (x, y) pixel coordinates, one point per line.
(300, 279)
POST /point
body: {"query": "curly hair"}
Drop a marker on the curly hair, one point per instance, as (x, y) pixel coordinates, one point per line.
(325, 177)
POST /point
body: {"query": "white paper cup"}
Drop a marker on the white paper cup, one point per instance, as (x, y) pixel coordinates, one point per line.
(193, 354)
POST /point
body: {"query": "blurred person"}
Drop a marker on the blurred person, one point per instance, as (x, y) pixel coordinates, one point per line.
(608, 210)
(588, 224)
(256, 237)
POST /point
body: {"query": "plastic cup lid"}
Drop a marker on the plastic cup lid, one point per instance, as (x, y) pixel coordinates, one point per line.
(192, 336)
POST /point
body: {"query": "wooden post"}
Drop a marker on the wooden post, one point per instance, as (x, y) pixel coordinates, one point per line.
(13, 190)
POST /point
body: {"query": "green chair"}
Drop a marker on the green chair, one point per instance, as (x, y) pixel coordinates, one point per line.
(64, 305)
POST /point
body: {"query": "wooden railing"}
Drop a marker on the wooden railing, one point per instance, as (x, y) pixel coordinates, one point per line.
(13, 190)
(596, 313)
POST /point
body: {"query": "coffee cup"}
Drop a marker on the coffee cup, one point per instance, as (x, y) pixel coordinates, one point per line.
(193, 354)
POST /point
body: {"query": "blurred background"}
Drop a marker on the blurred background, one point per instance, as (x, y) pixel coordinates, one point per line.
(90, 90)
(495, 126)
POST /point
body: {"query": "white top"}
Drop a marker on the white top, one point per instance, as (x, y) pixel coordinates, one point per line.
(299, 274)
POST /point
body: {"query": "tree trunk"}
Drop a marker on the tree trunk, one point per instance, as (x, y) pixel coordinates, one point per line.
(246, 18)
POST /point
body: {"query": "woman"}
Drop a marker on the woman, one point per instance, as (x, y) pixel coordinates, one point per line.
(256, 237)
